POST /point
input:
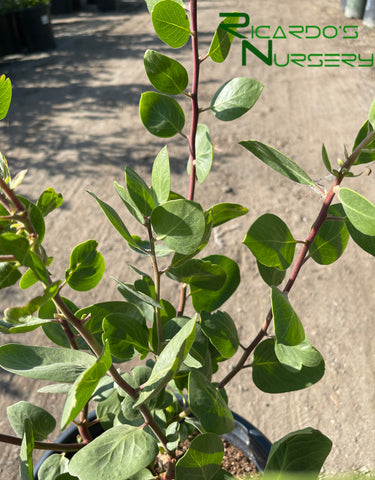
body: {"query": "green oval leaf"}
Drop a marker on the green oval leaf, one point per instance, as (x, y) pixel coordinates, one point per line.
(278, 161)
(200, 273)
(5, 96)
(359, 210)
(300, 453)
(129, 204)
(166, 74)
(171, 23)
(331, 240)
(204, 153)
(325, 159)
(366, 242)
(221, 330)
(168, 362)
(271, 376)
(222, 41)
(180, 224)
(298, 356)
(42, 422)
(271, 275)
(115, 220)
(203, 458)
(86, 267)
(9, 274)
(209, 300)
(223, 212)
(368, 154)
(161, 177)
(125, 332)
(288, 327)
(49, 201)
(208, 405)
(26, 452)
(271, 242)
(118, 453)
(139, 192)
(150, 3)
(84, 386)
(44, 363)
(161, 115)
(235, 98)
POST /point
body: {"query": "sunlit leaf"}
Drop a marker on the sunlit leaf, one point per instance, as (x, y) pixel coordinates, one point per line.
(271, 242)
(223, 212)
(278, 161)
(200, 273)
(221, 330)
(203, 458)
(235, 98)
(222, 41)
(209, 300)
(161, 177)
(44, 363)
(168, 362)
(166, 74)
(48, 201)
(271, 275)
(118, 453)
(171, 23)
(208, 405)
(5, 96)
(331, 240)
(368, 154)
(86, 266)
(302, 453)
(26, 453)
(180, 224)
(204, 153)
(161, 115)
(84, 386)
(139, 192)
(359, 210)
(271, 376)
(42, 422)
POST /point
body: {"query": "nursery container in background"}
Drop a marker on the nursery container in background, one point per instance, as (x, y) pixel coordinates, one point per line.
(369, 16)
(355, 8)
(10, 41)
(35, 28)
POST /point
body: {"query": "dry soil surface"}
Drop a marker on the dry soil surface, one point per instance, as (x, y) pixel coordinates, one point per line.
(74, 124)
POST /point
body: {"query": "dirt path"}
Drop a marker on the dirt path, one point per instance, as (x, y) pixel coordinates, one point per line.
(74, 123)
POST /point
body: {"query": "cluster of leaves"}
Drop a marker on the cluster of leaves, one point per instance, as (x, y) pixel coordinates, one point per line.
(148, 409)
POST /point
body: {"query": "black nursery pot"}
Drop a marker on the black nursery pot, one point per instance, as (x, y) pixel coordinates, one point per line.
(36, 29)
(10, 41)
(245, 437)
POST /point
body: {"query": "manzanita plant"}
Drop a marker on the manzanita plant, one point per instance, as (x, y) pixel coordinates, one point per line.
(149, 410)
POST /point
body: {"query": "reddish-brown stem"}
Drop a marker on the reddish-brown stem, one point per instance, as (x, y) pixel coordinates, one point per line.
(11, 195)
(301, 257)
(57, 447)
(7, 258)
(194, 119)
(83, 425)
(194, 95)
